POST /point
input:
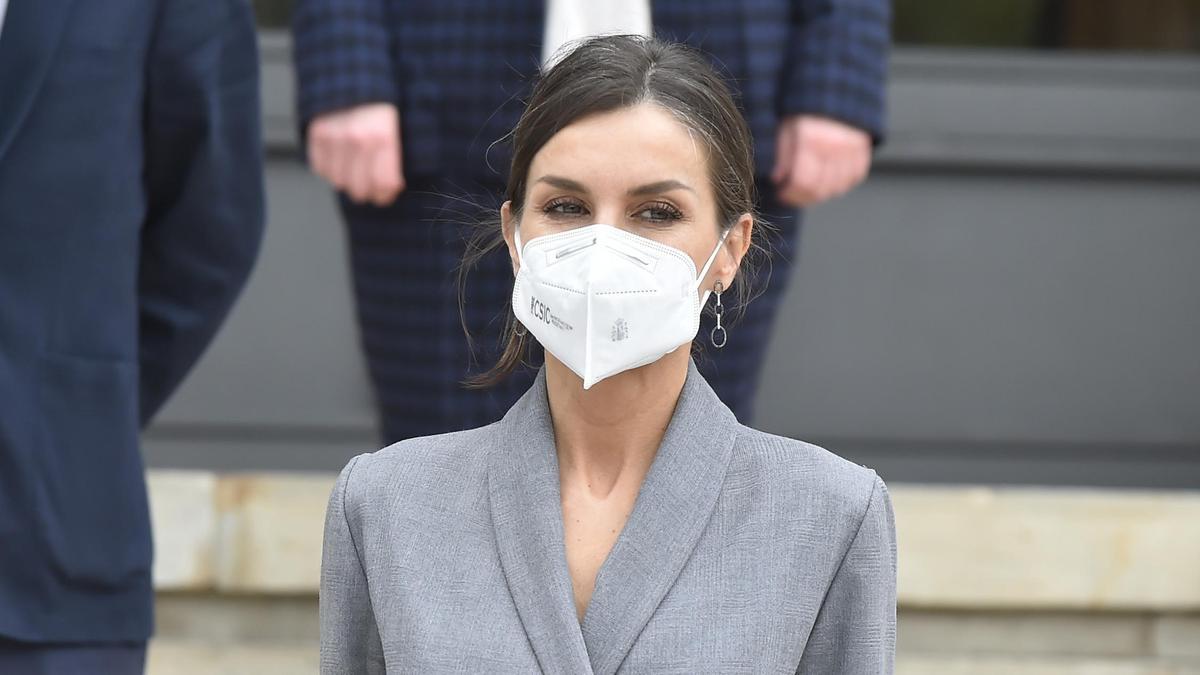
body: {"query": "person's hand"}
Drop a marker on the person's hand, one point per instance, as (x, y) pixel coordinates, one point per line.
(817, 158)
(358, 151)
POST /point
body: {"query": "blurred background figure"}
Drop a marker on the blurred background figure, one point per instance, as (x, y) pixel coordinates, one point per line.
(131, 210)
(401, 105)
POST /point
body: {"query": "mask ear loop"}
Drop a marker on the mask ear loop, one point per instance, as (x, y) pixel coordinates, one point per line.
(517, 241)
(712, 257)
(519, 329)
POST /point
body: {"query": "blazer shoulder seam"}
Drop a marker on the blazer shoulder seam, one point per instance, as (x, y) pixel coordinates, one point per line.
(858, 530)
(346, 518)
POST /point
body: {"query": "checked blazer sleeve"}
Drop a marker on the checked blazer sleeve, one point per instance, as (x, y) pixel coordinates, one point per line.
(343, 56)
(855, 630)
(350, 643)
(837, 63)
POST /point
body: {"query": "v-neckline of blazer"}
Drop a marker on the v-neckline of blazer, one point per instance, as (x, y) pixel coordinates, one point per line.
(671, 511)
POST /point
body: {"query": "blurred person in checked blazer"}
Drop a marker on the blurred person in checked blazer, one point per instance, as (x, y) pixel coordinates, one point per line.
(131, 210)
(402, 102)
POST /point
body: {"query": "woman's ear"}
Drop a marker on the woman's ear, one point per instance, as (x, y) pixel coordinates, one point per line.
(508, 229)
(737, 244)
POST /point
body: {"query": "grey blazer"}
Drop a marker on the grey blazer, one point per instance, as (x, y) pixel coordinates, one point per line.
(744, 553)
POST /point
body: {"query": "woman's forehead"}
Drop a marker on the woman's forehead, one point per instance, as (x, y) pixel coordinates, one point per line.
(631, 146)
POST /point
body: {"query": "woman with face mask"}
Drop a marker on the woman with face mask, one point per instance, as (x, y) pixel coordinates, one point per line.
(619, 518)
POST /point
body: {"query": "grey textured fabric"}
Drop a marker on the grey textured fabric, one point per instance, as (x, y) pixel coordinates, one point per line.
(745, 553)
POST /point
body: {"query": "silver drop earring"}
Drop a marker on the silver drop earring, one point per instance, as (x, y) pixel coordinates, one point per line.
(718, 335)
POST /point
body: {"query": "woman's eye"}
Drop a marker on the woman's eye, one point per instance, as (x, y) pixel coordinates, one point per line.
(564, 208)
(659, 213)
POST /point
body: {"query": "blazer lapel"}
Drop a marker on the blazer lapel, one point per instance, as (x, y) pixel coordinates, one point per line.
(526, 505)
(28, 41)
(671, 511)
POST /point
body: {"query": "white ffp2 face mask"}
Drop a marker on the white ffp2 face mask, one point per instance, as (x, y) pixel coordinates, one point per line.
(603, 300)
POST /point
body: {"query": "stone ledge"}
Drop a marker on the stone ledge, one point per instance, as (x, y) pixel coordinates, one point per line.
(959, 547)
(1063, 548)
(238, 533)
(275, 633)
(1025, 633)
(200, 658)
(1178, 637)
(271, 532)
(225, 618)
(166, 657)
(183, 514)
(911, 664)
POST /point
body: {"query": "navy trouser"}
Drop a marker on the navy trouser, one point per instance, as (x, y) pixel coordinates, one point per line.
(33, 658)
(404, 259)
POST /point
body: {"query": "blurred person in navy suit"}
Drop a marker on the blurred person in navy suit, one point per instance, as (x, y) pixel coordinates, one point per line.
(131, 212)
(400, 105)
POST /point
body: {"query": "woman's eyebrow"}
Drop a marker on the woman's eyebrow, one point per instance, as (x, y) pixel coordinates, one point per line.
(660, 186)
(562, 183)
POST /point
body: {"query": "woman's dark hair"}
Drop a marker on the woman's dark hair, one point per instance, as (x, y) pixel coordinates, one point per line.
(609, 73)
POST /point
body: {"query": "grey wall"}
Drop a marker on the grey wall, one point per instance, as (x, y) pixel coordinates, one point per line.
(1014, 296)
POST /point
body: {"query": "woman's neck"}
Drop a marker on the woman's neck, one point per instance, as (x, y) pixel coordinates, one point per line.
(609, 434)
